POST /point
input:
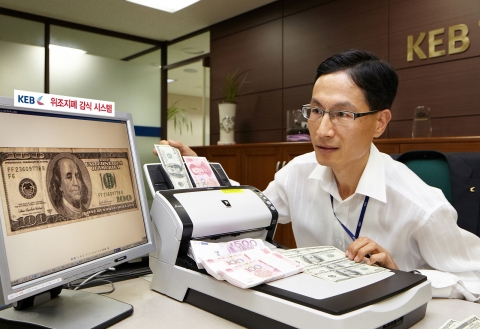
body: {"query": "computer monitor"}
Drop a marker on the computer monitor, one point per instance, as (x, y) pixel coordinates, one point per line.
(72, 203)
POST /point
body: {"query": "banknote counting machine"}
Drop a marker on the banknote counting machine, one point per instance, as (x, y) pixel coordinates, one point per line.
(301, 301)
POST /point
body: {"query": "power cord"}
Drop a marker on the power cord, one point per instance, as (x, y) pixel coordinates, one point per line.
(90, 279)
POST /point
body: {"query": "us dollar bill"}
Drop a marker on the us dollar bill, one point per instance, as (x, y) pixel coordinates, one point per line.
(312, 257)
(472, 322)
(173, 164)
(449, 324)
(343, 269)
(47, 187)
(329, 263)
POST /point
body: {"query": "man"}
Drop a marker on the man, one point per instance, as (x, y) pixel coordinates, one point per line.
(349, 195)
(67, 189)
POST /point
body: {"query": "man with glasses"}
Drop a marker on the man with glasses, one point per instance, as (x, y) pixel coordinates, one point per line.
(349, 195)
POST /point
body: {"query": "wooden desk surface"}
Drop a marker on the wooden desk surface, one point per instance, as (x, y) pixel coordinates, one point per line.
(154, 310)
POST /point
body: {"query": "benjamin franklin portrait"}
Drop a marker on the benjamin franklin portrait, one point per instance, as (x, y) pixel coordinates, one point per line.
(69, 185)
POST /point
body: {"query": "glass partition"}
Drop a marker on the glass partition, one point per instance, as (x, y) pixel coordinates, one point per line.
(188, 100)
(101, 72)
(22, 54)
(110, 69)
(189, 90)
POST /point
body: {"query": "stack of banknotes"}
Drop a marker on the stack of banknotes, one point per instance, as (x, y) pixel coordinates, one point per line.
(248, 262)
(244, 263)
(472, 322)
(179, 172)
(252, 267)
(329, 263)
(199, 250)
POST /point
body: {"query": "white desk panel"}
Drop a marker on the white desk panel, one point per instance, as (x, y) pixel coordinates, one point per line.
(153, 310)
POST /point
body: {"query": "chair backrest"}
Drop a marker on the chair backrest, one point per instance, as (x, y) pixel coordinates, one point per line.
(431, 167)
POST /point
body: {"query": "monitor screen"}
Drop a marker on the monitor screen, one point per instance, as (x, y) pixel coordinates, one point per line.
(72, 201)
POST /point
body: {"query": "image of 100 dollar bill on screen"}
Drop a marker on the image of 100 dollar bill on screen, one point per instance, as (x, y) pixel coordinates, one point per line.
(46, 187)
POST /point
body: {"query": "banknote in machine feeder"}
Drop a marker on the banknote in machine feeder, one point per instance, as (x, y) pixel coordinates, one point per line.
(173, 164)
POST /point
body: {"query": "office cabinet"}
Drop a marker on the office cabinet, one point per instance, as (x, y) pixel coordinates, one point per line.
(253, 164)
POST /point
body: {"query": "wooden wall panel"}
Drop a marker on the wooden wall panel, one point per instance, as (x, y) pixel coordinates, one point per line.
(248, 20)
(457, 126)
(294, 6)
(449, 89)
(261, 136)
(283, 43)
(411, 17)
(446, 147)
(313, 35)
(443, 127)
(255, 113)
(258, 50)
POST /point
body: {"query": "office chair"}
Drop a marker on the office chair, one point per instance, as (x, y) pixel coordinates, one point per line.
(432, 167)
(457, 175)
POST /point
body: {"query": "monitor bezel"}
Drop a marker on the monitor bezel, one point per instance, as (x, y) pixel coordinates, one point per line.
(90, 267)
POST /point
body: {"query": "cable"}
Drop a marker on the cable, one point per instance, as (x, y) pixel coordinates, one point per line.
(92, 276)
(90, 279)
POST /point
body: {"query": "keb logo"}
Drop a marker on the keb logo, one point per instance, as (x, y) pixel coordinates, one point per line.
(457, 42)
(26, 99)
(29, 99)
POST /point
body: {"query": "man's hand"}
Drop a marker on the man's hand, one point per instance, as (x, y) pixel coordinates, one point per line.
(184, 149)
(360, 248)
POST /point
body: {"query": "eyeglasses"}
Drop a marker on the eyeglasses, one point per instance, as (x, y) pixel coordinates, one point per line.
(313, 113)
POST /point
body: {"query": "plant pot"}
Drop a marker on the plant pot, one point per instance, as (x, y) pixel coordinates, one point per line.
(226, 113)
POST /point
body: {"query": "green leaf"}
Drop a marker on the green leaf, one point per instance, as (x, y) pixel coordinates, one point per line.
(180, 118)
(234, 83)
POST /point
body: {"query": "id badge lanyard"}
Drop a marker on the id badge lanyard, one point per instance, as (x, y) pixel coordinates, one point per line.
(360, 219)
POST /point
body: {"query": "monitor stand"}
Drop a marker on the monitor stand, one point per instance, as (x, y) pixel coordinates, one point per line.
(70, 310)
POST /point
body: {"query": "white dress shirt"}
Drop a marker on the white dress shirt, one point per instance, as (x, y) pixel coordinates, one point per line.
(409, 218)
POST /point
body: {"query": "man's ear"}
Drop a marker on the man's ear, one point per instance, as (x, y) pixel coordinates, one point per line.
(383, 118)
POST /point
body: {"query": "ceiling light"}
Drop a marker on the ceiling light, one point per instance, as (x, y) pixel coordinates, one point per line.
(189, 70)
(192, 51)
(66, 49)
(170, 80)
(170, 6)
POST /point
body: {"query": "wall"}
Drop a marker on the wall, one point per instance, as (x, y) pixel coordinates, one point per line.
(281, 45)
(18, 62)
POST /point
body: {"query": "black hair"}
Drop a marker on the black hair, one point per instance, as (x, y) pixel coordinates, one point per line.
(377, 78)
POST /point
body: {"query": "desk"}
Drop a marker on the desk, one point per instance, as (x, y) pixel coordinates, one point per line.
(154, 310)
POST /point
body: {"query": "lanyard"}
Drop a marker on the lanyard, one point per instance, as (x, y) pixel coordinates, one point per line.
(360, 219)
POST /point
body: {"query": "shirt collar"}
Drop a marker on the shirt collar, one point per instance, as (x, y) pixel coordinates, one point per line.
(372, 181)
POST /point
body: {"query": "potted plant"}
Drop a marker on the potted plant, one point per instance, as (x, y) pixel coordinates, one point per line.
(234, 83)
(228, 107)
(180, 117)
